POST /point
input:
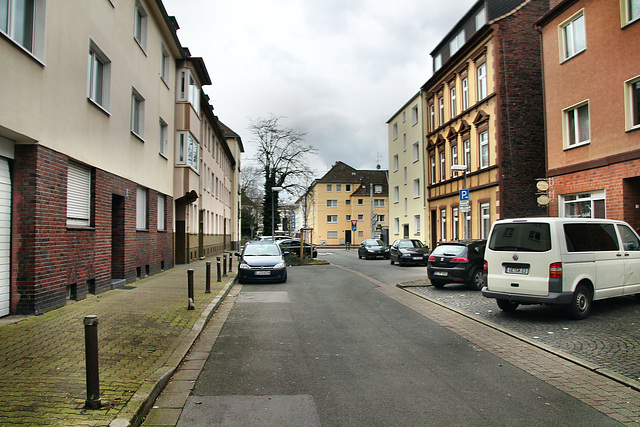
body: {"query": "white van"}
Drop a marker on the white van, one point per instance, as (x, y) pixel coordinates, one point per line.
(562, 261)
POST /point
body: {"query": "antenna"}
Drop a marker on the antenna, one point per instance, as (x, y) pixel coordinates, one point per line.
(378, 160)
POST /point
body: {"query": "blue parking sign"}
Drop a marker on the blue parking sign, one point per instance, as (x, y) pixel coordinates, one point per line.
(464, 194)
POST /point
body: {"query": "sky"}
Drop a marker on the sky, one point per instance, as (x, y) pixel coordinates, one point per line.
(336, 70)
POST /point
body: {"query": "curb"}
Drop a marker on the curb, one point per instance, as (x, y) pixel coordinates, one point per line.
(141, 402)
(635, 385)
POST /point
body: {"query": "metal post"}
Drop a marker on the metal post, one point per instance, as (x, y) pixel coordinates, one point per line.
(219, 271)
(91, 359)
(190, 289)
(224, 264)
(208, 281)
(230, 262)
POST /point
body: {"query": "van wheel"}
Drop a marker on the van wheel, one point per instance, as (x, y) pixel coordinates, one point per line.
(580, 303)
(477, 280)
(507, 306)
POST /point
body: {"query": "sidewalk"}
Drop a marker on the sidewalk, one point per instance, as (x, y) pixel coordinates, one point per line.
(144, 331)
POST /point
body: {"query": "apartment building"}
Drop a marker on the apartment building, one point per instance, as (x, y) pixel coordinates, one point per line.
(407, 172)
(483, 111)
(346, 206)
(85, 124)
(236, 147)
(592, 106)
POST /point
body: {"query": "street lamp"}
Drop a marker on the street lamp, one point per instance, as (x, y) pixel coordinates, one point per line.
(463, 169)
(273, 215)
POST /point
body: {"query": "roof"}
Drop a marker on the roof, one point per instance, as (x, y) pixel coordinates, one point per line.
(341, 173)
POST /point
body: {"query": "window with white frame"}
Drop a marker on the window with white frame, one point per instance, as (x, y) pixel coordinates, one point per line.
(481, 19)
(405, 175)
(22, 21)
(137, 113)
(467, 154)
(338, 187)
(332, 234)
(441, 111)
(360, 202)
(454, 106)
(483, 138)
(360, 217)
(347, 202)
(378, 203)
(381, 218)
(395, 162)
(574, 38)
(414, 114)
(332, 203)
(360, 233)
(454, 158)
(416, 188)
(632, 102)
(78, 195)
(404, 142)
(485, 220)
(406, 207)
(162, 214)
(583, 205)
(141, 208)
(163, 138)
(404, 116)
(455, 224)
(432, 168)
(348, 218)
(467, 225)
(98, 76)
(396, 194)
(395, 130)
(456, 43)
(188, 89)
(443, 225)
(576, 125)
(347, 187)
(432, 117)
(416, 151)
(165, 65)
(332, 218)
(329, 188)
(465, 93)
(140, 25)
(396, 226)
(442, 166)
(437, 62)
(630, 11)
(188, 152)
(482, 81)
(416, 224)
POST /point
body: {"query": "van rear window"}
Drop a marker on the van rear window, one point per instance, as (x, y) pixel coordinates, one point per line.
(521, 236)
(589, 237)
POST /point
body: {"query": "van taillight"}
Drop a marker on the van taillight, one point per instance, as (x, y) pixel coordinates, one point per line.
(555, 270)
(486, 267)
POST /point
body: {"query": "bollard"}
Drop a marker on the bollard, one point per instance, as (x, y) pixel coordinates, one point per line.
(224, 264)
(208, 282)
(219, 275)
(230, 262)
(91, 359)
(190, 289)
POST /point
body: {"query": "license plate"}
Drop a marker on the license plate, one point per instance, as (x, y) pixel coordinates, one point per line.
(263, 273)
(516, 270)
(417, 258)
(440, 273)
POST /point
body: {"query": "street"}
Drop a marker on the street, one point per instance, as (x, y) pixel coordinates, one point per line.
(341, 345)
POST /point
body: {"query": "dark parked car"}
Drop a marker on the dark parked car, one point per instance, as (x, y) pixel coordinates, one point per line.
(460, 262)
(408, 251)
(373, 248)
(293, 246)
(261, 260)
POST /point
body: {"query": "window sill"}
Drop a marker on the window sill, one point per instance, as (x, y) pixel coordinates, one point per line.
(99, 107)
(142, 230)
(578, 145)
(22, 48)
(633, 129)
(80, 228)
(137, 136)
(572, 56)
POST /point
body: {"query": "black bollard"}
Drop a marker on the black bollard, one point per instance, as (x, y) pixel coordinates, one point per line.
(208, 282)
(219, 274)
(190, 289)
(91, 358)
(230, 262)
(224, 264)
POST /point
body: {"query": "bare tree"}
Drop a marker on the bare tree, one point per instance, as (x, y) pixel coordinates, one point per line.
(282, 154)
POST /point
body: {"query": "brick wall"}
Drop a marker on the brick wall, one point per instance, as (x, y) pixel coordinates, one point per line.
(50, 259)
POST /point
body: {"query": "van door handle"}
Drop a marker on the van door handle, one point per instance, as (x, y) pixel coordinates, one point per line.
(618, 255)
(626, 254)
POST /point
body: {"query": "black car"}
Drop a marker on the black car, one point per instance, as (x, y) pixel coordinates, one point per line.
(408, 251)
(373, 248)
(262, 260)
(293, 246)
(457, 262)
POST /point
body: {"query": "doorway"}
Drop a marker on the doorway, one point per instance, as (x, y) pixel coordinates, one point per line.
(117, 237)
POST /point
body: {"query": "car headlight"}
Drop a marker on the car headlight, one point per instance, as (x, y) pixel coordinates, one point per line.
(245, 266)
(279, 265)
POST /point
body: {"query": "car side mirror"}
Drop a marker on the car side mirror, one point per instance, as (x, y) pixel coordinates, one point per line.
(237, 254)
(285, 253)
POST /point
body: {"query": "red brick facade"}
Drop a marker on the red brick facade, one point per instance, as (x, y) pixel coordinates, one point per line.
(51, 261)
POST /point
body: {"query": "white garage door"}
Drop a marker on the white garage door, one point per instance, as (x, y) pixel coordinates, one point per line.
(5, 236)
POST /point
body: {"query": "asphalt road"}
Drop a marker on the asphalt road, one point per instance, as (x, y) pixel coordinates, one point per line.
(328, 348)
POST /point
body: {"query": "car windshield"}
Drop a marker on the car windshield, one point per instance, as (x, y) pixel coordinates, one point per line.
(370, 243)
(448, 250)
(521, 236)
(261, 250)
(410, 244)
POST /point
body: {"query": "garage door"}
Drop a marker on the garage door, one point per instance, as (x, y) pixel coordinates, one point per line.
(5, 236)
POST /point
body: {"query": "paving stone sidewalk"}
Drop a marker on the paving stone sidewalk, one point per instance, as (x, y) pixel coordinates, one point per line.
(144, 332)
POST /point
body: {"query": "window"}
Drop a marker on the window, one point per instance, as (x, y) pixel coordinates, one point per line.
(332, 203)
(442, 166)
(630, 241)
(347, 202)
(188, 152)
(465, 93)
(406, 206)
(456, 224)
(329, 188)
(416, 151)
(348, 218)
(485, 220)
(161, 212)
(360, 217)
(381, 218)
(467, 154)
(574, 38)
(137, 113)
(405, 175)
(583, 205)
(456, 43)
(443, 225)
(482, 81)
(189, 90)
(404, 142)
(396, 194)
(23, 22)
(577, 125)
(78, 195)
(360, 233)
(338, 187)
(332, 218)
(467, 225)
(589, 237)
(165, 64)
(631, 11)
(481, 19)
(432, 117)
(454, 110)
(437, 62)
(163, 138)
(632, 103)
(141, 208)
(484, 149)
(395, 130)
(378, 203)
(440, 111)
(414, 115)
(416, 188)
(432, 167)
(360, 202)
(332, 234)
(454, 158)
(98, 76)
(396, 226)
(140, 25)
(347, 187)
(395, 162)
(416, 224)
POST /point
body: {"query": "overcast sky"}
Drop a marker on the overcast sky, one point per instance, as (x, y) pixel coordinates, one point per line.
(335, 69)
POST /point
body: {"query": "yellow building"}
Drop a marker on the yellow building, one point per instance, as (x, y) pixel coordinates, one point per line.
(346, 206)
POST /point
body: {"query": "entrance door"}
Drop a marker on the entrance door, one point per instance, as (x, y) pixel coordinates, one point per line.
(117, 237)
(5, 236)
(405, 231)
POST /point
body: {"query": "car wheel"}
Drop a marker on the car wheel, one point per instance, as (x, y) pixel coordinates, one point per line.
(359, 256)
(391, 261)
(240, 280)
(284, 279)
(580, 303)
(477, 280)
(507, 306)
(437, 284)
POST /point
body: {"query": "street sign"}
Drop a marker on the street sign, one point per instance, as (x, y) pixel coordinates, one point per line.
(354, 225)
(354, 228)
(464, 203)
(464, 194)
(465, 209)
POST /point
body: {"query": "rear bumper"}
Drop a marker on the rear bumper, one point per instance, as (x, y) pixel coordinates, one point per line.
(555, 298)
